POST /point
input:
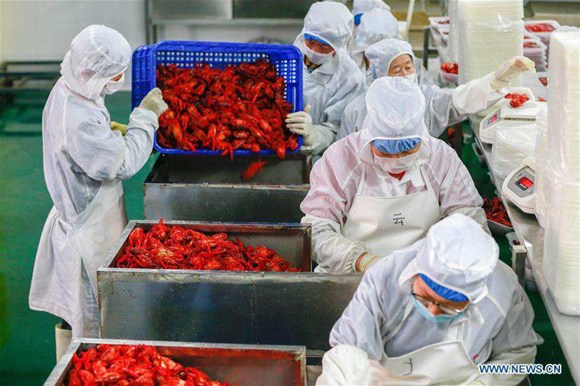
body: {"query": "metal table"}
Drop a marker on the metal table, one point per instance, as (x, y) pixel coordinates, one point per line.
(531, 235)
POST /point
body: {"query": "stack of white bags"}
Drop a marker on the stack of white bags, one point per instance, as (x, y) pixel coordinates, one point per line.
(558, 172)
(491, 32)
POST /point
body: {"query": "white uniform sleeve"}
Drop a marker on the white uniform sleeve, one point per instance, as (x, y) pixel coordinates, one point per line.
(325, 207)
(516, 341)
(458, 193)
(105, 155)
(332, 251)
(345, 365)
(350, 86)
(326, 136)
(350, 117)
(446, 107)
(362, 322)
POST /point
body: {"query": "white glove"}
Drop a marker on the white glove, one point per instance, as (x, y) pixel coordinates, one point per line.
(154, 102)
(510, 70)
(300, 123)
(365, 261)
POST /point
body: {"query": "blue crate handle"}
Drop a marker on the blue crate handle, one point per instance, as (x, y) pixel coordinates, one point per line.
(286, 58)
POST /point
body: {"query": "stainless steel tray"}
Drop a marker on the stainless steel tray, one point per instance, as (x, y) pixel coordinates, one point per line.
(211, 189)
(285, 308)
(235, 364)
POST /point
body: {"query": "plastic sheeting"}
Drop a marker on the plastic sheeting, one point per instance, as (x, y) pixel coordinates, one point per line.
(560, 175)
(491, 32)
(511, 146)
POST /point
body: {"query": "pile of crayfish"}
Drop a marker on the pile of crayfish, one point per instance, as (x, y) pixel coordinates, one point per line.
(174, 247)
(517, 100)
(240, 107)
(125, 365)
(450, 68)
(540, 27)
(530, 45)
(496, 212)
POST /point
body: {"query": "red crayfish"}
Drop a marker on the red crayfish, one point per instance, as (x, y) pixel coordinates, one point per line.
(517, 100)
(251, 171)
(450, 68)
(240, 107)
(540, 27)
(530, 45)
(174, 247)
(495, 211)
(125, 365)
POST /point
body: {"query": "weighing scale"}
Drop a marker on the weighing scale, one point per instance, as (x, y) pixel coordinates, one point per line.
(519, 187)
(507, 116)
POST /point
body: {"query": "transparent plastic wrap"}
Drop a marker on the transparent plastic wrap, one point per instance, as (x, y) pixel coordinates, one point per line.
(511, 146)
(491, 32)
(453, 44)
(542, 186)
(561, 176)
(535, 50)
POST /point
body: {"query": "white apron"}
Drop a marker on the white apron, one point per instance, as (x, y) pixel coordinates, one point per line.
(446, 363)
(385, 224)
(64, 280)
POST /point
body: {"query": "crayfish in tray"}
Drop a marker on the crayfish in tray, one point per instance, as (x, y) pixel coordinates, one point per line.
(241, 107)
(450, 68)
(125, 365)
(517, 100)
(174, 247)
(495, 211)
(540, 27)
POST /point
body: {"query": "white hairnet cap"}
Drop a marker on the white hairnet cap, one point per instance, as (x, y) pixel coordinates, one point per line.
(331, 22)
(374, 26)
(362, 6)
(96, 55)
(395, 109)
(458, 254)
(382, 54)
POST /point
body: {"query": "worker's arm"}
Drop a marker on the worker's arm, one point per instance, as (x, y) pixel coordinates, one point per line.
(104, 154)
(351, 117)
(446, 107)
(362, 323)
(349, 87)
(332, 251)
(516, 341)
(332, 191)
(457, 191)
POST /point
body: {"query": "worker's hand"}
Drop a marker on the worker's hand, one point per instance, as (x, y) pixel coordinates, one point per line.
(119, 127)
(510, 70)
(153, 101)
(300, 123)
(365, 261)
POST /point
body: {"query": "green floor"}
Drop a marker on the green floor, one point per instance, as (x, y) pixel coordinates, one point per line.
(27, 337)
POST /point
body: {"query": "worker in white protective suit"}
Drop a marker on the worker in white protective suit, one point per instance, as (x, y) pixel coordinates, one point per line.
(431, 313)
(375, 25)
(84, 163)
(331, 78)
(360, 7)
(445, 107)
(382, 188)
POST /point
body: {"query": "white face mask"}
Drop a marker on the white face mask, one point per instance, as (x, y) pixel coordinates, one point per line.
(397, 165)
(317, 57)
(113, 86)
(412, 77)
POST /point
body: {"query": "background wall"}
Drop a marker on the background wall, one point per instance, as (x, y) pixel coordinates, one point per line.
(43, 29)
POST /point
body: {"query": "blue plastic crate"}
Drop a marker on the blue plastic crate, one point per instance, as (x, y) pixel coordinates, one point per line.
(287, 60)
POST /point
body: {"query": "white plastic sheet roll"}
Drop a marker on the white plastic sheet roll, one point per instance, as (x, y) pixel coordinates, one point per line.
(489, 32)
(560, 177)
(511, 146)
